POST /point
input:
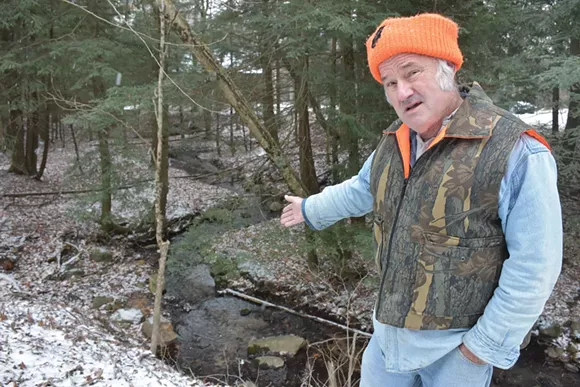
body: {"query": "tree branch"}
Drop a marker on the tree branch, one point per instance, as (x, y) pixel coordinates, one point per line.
(234, 97)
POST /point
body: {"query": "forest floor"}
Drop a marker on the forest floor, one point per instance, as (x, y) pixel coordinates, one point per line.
(52, 332)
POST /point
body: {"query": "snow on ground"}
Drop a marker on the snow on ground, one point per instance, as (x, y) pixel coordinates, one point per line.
(544, 118)
(50, 331)
(50, 345)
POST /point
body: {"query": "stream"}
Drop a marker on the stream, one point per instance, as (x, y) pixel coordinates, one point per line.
(215, 333)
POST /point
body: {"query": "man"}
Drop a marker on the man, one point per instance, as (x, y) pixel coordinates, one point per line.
(467, 217)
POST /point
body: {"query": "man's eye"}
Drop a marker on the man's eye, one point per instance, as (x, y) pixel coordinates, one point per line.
(413, 72)
(391, 84)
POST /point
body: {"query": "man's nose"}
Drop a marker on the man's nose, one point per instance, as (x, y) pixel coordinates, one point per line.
(404, 91)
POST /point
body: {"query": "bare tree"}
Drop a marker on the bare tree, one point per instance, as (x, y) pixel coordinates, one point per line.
(161, 163)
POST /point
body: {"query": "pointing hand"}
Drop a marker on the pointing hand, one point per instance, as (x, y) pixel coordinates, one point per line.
(292, 213)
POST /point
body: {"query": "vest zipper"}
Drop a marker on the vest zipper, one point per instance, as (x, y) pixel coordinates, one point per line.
(384, 274)
(380, 224)
(405, 182)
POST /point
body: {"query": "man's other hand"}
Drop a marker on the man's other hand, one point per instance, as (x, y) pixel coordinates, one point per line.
(292, 213)
(470, 355)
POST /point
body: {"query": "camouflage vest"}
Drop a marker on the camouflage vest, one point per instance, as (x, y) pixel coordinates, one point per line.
(440, 245)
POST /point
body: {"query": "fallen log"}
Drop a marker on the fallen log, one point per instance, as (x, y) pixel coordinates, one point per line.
(292, 311)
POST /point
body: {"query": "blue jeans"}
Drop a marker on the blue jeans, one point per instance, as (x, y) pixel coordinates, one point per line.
(452, 370)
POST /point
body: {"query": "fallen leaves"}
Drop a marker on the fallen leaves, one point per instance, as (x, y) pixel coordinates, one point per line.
(51, 324)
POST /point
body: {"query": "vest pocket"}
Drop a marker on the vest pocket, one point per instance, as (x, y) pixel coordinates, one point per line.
(459, 274)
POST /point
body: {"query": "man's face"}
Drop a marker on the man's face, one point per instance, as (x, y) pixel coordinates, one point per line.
(412, 89)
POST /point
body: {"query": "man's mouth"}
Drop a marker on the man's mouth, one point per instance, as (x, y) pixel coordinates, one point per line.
(412, 106)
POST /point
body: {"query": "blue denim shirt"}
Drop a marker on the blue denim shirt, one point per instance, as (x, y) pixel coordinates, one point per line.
(530, 213)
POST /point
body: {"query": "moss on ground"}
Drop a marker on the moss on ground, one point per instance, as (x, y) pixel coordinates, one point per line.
(196, 245)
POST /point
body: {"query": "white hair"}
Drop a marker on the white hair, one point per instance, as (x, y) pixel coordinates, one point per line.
(445, 76)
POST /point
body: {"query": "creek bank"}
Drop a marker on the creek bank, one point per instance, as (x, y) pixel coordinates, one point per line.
(214, 332)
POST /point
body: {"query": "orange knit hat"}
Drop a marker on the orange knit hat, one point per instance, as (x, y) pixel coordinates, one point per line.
(426, 34)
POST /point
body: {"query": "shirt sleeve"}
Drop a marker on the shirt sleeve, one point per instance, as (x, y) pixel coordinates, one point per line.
(529, 208)
(350, 198)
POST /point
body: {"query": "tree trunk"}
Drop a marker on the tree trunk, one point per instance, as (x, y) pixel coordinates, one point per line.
(164, 159)
(161, 171)
(555, 109)
(106, 186)
(164, 144)
(31, 142)
(16, 133)
(53, 128)
(307, 170)
(105, 163)
(322, 121)
(161, 117)
(347, 108)
(234, 97)
(181, 122)
(74, 138)
(217, 134)
(243, 134)
(207, 123)
(334, 140)
(278, 89)
(268, 100)
(62, 135)
(2, 135)
(574, 106)
(268, 94)
(45, 136)
(232, 144)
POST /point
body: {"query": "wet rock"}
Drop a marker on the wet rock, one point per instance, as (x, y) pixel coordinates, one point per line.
(269, 362)
(285, 345)
(101, 254)
(200, 285)
(254, 270)
(245, 311)
(571, 368)
(168, 335)
(553, 330)
(276, 206)
(554, 352)
(100, 301)
(132, 316)
(572, 348)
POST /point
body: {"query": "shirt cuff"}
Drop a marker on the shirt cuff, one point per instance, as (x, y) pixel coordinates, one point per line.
(306, 220)
(488, 350)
